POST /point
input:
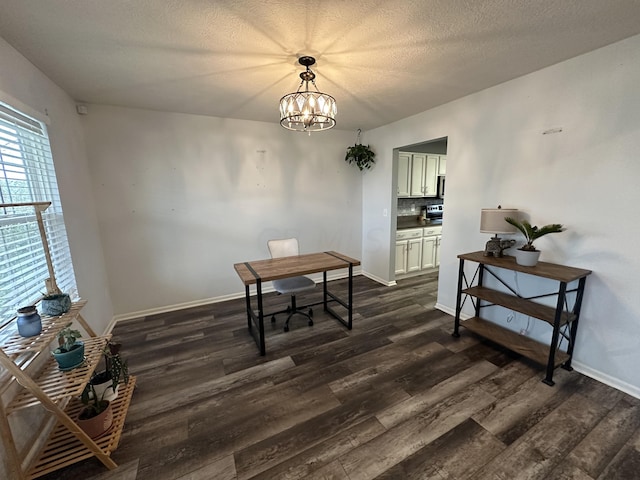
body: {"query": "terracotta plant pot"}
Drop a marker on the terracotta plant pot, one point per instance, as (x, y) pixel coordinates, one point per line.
(98, 425)
(527, 258)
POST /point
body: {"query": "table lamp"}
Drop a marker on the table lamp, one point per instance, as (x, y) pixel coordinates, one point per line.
(492, 220)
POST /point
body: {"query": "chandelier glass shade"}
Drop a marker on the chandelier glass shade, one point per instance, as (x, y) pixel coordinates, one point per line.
(306, 110)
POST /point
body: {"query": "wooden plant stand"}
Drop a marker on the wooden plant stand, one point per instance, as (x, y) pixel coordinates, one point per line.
(57, 391)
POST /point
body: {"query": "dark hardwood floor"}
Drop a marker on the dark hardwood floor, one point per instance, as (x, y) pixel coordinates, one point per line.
(395, 398)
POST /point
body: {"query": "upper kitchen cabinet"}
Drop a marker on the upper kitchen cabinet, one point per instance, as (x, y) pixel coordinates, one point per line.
(404, 174)
(418, 174)
(442, 165)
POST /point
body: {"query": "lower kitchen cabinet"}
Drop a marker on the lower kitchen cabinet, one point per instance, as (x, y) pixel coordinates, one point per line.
(429, 248)
(417, 249)
(408, 251)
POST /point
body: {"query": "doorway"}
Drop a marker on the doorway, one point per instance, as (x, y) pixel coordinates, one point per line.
(420, 172)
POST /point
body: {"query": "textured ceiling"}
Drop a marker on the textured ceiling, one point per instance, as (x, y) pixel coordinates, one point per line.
(382, 60)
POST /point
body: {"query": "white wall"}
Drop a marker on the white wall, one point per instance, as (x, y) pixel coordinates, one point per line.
(24, 83)
(584, 177)
(181, 198)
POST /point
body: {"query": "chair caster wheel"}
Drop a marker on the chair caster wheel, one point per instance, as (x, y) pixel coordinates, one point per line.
(311, 312)
(273, 319)
(286, 328)
(311, 323)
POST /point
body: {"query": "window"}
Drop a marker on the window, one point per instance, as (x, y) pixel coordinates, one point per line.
(27, 175)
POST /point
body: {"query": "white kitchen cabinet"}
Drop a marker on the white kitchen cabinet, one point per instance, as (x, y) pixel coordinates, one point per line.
(429, 246)
(418, 164)
(408, 251)
(414, 255)
(417, 249)
(430, 179)
(417, 174)
(404, 174)
(442, 165)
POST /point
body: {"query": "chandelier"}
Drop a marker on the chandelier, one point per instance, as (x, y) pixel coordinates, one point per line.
(306, 110)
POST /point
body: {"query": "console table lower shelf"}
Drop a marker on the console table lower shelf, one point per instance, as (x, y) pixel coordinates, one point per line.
(63, 448)
(525, 346)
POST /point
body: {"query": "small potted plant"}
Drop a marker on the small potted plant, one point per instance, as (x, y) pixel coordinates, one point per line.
(115, 371)
(70, 351)
(96, 417)
(55, 304)
(527, 255)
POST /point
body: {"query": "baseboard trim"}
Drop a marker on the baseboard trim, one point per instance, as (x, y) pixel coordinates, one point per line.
(601, 377)
(379, 280)
(207, 301)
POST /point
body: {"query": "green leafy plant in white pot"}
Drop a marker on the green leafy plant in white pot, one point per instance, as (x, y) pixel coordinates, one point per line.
(528, 255)
(115, 371)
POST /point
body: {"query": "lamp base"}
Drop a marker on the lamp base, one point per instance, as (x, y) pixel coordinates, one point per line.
(496, 245)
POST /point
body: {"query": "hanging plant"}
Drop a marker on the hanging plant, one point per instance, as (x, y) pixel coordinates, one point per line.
(360, 154)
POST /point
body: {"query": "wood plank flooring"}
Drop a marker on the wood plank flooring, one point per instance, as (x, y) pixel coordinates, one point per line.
(395, 398)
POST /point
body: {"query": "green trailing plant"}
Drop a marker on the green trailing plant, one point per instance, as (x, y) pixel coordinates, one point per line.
(532, 233)
(115, 365)
(360, 154)
(67, 338)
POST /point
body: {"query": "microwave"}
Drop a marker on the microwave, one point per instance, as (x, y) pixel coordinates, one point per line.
(441, 186)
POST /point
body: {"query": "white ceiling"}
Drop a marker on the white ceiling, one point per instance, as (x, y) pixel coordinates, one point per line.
(382, 60)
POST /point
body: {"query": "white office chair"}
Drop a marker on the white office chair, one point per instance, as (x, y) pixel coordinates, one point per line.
(288, 247)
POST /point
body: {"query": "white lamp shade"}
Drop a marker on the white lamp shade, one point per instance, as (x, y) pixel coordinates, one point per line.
(492, 220)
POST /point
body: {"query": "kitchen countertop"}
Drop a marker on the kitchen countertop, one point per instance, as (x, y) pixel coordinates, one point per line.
(413, 222)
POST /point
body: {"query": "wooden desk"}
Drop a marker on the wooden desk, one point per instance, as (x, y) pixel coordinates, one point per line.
(260, 271)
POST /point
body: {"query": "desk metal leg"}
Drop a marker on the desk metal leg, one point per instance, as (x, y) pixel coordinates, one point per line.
(348, 304)
(247, 298)
(263, 349)
(350, 308)
(324, 290)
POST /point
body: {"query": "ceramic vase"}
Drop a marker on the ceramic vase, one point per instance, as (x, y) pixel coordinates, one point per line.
(29, 322)
(527, 258)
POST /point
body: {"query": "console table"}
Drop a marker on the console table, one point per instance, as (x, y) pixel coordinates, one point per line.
(563, 318)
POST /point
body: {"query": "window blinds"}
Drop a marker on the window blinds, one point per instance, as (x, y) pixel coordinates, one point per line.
(27, 175)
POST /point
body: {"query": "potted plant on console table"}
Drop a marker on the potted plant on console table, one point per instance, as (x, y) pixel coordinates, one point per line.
(527, 255)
